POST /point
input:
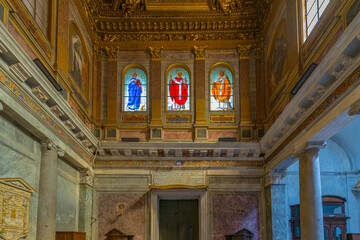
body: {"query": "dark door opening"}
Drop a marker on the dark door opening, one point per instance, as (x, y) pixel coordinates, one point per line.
(179, 220)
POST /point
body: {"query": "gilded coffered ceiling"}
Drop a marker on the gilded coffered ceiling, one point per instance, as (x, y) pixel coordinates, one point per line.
(118, 22)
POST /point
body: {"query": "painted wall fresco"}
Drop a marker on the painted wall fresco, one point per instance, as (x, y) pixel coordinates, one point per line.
(79, 69)
(178, 88)
(221, 88)
(233, 212)
(277, 58)
(131, 222)
(135, 89)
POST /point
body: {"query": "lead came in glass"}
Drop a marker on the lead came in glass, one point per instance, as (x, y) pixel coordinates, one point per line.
(135, 90)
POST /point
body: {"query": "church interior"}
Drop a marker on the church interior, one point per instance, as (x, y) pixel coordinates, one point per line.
(180, 119)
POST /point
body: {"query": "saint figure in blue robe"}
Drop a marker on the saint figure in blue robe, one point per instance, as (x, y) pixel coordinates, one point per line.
(135, 91)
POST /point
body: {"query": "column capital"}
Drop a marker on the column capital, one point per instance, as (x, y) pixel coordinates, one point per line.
(274, 176)
(354, 109)
(87, 176)
(200, 52)
(308, 146)
(112, 52)
(156, 52)
(244, 50)
(50, 145)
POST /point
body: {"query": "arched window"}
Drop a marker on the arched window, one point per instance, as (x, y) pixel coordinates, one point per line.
(221, 87)
(178, 88)
(313, 11)
(134, 88)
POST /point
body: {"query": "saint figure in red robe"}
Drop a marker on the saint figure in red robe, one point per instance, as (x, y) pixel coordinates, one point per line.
(178, 90)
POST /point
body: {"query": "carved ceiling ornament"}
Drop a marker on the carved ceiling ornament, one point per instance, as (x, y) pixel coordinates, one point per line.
(200, 52)
(131, 6)
(225, 6)
(156, 53)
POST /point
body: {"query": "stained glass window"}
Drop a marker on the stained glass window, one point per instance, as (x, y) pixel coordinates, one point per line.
(221, 89)
(178, 89)
(314, 10)
(135, 90)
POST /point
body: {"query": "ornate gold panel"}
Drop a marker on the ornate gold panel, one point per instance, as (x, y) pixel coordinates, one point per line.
(15, 196)
(224, 118)
(131, 118)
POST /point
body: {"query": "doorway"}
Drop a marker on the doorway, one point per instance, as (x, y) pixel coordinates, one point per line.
(178, 220)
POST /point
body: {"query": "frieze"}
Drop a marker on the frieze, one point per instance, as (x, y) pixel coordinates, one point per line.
(43, 115)
(342, 88)
(177, 163)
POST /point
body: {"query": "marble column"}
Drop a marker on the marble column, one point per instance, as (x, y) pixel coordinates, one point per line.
(46, 216)
(85, 202)
(311, 213)
(276, 221)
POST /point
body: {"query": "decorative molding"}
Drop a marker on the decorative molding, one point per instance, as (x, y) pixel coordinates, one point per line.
(131, 6)
(40, 93)
(22, 96)
(244, 50)
(112, 52)
(87, 176)
(98, 52)
(177, 186)
(200, 52)
(3, 49)
(57, 110)
(19, 70)
(156, 53)
(178, 163)
(274, 177)
(225, 6)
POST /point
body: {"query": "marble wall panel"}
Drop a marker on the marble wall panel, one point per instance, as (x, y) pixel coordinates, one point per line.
(67, 202)
(20, 157)
(233, 212)
(178, 135)
(132, 222)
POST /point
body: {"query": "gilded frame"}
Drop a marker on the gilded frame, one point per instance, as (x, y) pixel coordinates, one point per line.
(74, 29)
(171, 67)
(232, 70)
(123, 72)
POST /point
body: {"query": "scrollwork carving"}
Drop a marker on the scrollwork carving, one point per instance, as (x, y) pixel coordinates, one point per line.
(112, 52)
(225, 6)
(200, 52)
(156, 52)
(87, 176)
(131, 6)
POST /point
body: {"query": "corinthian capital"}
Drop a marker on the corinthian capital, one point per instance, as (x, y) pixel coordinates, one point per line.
(200, 52)
(156, 53)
